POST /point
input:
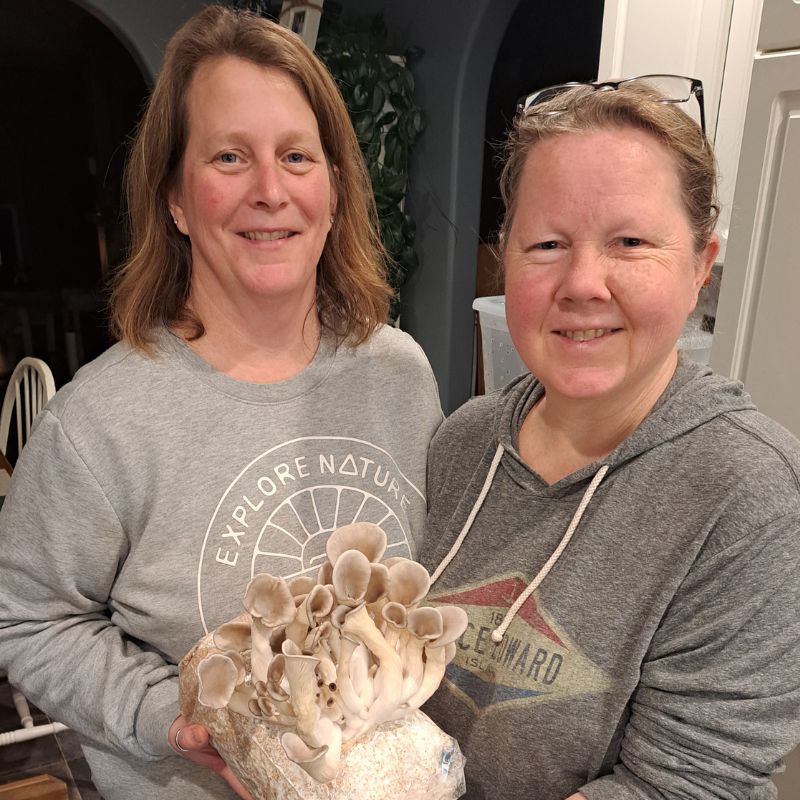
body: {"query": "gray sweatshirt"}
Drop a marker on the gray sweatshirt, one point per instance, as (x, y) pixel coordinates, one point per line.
(149, 494)
(659, 657)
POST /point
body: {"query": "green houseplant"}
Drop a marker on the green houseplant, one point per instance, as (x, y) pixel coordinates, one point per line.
(378, 88)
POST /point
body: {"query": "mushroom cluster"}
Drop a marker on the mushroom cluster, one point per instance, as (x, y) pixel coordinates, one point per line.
(331, 658)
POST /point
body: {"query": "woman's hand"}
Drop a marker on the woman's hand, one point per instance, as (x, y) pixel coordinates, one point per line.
(194, 744)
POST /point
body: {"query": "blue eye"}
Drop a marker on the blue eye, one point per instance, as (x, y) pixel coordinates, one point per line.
(630, 241)
(546, 246)
(228, 158)
(296, 158)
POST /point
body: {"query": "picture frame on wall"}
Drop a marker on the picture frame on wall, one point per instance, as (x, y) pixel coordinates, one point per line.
(302, 18)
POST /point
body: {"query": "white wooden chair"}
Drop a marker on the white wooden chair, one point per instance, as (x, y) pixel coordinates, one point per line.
(30, 387)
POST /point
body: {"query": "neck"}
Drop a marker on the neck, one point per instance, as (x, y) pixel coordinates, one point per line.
(561, 435)
(255, 342)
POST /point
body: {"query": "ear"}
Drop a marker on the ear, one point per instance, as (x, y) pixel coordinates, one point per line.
(705, 262)
(176, 211)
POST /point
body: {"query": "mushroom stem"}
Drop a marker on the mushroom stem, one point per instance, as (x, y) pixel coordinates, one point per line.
(353, 705)
(322, 762)
(359, 624)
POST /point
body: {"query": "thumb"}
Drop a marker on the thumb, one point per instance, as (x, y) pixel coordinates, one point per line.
(194, 737)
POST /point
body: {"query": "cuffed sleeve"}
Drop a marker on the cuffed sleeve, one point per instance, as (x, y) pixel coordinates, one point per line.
(62, 546)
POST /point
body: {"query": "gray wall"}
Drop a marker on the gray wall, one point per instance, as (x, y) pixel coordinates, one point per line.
(461, 39)
(143, 26)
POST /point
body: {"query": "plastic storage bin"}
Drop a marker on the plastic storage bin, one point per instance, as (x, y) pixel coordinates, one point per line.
(501, 362)
(696, 344)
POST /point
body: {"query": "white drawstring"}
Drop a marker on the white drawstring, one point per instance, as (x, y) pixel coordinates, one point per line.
(499, 631)
(498, 454)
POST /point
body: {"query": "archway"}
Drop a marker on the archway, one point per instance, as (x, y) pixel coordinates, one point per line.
(72, 93)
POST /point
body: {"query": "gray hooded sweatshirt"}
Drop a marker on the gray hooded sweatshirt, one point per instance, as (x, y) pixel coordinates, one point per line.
(659, 656)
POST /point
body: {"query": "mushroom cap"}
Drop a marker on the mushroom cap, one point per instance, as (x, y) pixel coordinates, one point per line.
(454, 623)
(408, 582)
(425, 623)
(378, 586)
(232, 636)
(217, 677)
(351, 575)
(275, 673)
(319, 603)
(325, 573)
(300, 584)
(366, 537)
(395, 614)
(316, 636)
(268, 598)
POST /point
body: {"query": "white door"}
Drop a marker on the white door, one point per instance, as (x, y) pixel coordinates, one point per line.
(758, 316)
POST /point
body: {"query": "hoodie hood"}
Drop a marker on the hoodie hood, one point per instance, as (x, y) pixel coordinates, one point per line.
(694, 396)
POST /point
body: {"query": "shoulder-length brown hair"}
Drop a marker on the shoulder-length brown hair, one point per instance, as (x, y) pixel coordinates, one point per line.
(151, 289)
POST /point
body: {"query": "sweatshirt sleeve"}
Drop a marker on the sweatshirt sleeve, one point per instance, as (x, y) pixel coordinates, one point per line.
(62, 546)
(718, 702)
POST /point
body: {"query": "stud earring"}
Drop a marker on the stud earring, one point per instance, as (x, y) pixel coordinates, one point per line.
(331, 219)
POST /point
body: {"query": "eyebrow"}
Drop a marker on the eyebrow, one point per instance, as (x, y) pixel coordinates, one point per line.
(306, 137)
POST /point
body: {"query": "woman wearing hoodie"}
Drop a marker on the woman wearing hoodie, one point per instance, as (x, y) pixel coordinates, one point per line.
(622, 528)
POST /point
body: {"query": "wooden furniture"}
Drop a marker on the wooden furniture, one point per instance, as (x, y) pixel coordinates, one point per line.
(39, 787)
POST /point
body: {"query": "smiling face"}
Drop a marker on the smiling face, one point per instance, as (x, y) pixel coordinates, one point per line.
(601, 270)
(254, 195)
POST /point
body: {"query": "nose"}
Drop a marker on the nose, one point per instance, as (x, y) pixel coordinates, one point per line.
(585, 275)
(268, 186)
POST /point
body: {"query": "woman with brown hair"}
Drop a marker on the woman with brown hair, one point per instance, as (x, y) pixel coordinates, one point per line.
(256, 402)
(621, 525)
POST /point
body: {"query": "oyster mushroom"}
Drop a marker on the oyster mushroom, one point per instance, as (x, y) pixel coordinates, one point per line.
(221, 683)
(408, 582)
(325, 573)
(351, 575)
(366, 537)
(320, 762)
(359, 625)
(270, 604)
(269, 711)
(314, 607)
(353, 705)
(362, 674)
(275, 679)
(300, 671)
(233, 635)
(439, 653)
(424, 625)
(377, 589)
(300, 584)
(395, 617)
